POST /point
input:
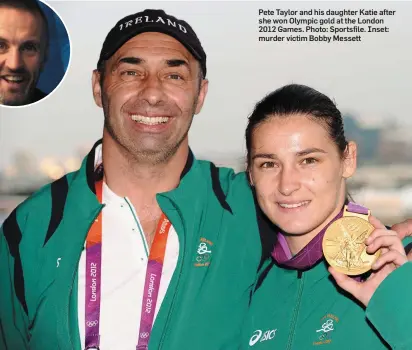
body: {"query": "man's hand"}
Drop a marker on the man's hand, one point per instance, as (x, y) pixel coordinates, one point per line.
(404, 229)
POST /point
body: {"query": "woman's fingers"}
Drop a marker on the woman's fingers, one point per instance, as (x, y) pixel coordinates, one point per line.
(389, 241)
(390, 257)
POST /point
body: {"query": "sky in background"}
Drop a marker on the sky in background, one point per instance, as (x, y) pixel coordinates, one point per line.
(372, 78)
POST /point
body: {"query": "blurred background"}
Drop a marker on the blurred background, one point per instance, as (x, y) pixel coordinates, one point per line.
(370, 81)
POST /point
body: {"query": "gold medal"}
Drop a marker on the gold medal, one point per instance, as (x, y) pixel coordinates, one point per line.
(344, 245)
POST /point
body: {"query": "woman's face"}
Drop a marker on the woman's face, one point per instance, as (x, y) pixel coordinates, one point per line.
(298, 172)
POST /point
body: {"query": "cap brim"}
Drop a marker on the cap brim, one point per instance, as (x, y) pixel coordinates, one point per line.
(151, 28)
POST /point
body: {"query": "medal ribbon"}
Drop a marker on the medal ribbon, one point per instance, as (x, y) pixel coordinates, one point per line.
(93, 279)
(312, 253)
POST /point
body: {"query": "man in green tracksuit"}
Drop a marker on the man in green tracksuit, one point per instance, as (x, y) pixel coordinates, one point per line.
(205, 303)
(150, 82)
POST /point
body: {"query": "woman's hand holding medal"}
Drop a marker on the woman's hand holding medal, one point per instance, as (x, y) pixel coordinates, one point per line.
(391, 257)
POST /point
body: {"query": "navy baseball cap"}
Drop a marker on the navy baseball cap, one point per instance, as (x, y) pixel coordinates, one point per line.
(153, 21)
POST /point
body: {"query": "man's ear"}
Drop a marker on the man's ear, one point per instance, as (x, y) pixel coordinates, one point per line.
(97, 89)
(202, 95)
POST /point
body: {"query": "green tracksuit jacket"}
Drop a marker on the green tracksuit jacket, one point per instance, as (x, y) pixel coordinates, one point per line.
(294, 310)
(205, 303)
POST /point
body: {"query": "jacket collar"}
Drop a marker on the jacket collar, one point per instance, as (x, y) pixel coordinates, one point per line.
(88, 166)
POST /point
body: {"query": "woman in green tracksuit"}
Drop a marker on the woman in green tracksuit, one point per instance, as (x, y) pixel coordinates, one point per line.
(298, 162)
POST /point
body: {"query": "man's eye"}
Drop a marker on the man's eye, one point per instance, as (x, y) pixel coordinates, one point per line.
(3, 46)
(175, 76)
(29, 47)
(129, 72)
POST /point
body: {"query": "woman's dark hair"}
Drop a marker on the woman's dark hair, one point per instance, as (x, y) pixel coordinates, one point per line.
(298, 99)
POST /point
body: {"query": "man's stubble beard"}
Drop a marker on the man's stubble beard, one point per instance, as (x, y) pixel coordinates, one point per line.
(131, 147)
(24, 98)
(21, 101)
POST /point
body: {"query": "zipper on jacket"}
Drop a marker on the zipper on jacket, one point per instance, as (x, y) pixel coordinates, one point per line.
(182, 250)
(296, 311)
(73, 275)
(142, 236)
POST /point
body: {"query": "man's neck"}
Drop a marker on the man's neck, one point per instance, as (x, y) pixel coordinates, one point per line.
(127, 177)
(140, 181)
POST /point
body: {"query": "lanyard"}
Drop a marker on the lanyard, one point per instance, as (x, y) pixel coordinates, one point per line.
(93, 279)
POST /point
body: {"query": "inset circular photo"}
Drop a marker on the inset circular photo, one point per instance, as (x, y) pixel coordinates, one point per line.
(34, 52)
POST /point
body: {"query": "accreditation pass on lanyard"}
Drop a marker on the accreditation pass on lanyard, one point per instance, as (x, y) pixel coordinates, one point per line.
(93, 280)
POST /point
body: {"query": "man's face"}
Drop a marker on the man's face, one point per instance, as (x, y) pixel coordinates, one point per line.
(149, 95)
(21, 54)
